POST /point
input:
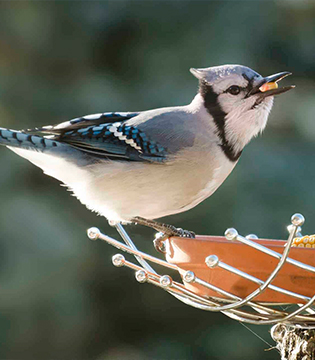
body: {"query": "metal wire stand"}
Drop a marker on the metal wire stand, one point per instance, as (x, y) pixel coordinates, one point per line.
(245, 309)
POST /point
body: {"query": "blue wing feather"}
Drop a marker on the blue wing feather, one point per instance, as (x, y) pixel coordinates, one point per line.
(107, 136)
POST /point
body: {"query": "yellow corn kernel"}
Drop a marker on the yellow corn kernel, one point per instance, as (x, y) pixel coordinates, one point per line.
(308, 245)
(298, 240)
(312, 239)
(268, 86)
(305, 239)
(301, 245)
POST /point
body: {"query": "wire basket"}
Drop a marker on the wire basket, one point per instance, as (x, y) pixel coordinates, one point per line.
(248, 279)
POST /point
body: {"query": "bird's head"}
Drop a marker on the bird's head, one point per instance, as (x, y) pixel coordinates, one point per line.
(239, 100)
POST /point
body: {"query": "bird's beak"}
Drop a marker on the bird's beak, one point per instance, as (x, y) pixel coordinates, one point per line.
(268, 86)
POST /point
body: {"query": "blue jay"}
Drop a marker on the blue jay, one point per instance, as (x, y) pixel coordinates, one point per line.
(141, 166)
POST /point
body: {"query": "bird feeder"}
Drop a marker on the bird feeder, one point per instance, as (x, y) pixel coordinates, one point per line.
(246, 278)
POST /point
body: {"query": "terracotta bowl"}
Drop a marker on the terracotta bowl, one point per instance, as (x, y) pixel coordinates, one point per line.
(190, 254)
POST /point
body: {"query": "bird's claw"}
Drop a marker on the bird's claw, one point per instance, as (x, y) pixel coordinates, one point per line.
(186, 233)
(189, 234)
(181, 233)
(160, 237)
(166, 229)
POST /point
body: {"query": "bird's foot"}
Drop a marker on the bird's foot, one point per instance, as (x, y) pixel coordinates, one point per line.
(168, 230)
(181, 232)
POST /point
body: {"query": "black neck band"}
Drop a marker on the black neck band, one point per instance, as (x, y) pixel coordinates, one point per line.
(214, 109)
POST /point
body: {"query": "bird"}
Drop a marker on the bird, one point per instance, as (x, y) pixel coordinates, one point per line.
(136, 167)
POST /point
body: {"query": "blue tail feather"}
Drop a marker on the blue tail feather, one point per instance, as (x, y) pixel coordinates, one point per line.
(24, 140)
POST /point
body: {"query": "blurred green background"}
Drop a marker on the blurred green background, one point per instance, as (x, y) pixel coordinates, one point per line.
(60, 297)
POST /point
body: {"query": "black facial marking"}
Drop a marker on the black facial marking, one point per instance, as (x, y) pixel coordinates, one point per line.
(247, 78)
(250, 84)
(213, 107)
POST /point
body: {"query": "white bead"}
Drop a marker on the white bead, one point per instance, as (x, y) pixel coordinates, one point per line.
(93, 233)
(297, 219)
(166, 281)
(231, 234)
(141, 276)
(251, 237)
(118, 260)
(189, 276)
(212, 261)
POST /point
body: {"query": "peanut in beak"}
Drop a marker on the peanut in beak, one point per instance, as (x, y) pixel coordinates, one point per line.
(268, 86)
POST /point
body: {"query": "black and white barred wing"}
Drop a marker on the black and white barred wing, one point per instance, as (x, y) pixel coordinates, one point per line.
(107, 136)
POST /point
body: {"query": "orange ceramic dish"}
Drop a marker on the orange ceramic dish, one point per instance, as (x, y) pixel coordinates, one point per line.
(190, 254)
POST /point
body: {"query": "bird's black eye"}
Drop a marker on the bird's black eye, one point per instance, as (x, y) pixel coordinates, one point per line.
(234, 90)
